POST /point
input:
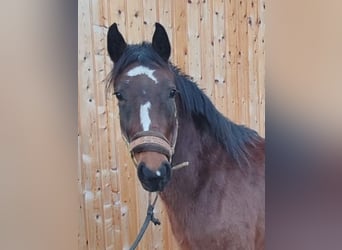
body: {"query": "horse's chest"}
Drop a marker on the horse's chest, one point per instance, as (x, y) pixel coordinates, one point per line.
(208, 227)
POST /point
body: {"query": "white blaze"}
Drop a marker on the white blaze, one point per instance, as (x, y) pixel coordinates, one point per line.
(142, 70)
(145, 116)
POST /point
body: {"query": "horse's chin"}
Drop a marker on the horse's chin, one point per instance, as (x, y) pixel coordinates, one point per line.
(154, 186)
(151, 187)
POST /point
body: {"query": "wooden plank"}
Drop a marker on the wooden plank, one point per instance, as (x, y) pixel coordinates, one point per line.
(207, 44)
(194, 38)
(180, 45)
(134, 24)
(242, 63)
(118, 14)
(149, 18)
(87, 113)
(104, 187)
(219, 38)
(254, 111)
(82, 238)
(261, 63)
(231, 48)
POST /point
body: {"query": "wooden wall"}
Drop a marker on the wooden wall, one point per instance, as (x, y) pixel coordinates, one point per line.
(219, 43)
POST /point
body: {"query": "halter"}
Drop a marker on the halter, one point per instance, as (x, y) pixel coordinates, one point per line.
(153, 141)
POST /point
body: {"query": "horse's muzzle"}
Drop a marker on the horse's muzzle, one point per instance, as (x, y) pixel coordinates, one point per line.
(153, 181)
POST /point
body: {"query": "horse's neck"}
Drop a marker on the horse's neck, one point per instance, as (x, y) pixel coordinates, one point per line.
(199, 149)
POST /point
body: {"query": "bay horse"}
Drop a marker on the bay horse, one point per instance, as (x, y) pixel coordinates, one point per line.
(215, 202)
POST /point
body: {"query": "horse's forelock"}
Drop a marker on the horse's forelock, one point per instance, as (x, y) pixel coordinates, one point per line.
(142, 54)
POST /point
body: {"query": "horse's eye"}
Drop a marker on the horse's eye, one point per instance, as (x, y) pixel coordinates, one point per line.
(118, 96)
(173, 93)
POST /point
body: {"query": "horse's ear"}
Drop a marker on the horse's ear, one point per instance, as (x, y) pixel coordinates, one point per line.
(161, 43)
(115, 43)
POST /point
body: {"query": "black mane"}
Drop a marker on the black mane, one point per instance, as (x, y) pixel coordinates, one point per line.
(235, 139)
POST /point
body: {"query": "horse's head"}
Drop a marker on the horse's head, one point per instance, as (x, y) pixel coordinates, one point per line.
(145, 89)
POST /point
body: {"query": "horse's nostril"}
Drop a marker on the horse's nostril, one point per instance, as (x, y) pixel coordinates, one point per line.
(144, 171)
(166, 166)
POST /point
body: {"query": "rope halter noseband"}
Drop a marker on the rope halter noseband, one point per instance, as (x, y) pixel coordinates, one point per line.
(152, 141)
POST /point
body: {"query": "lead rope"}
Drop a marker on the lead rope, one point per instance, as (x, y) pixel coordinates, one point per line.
(149, 214)
(180, 165)
(149, 217)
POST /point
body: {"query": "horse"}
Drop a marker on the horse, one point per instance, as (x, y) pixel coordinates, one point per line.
(215, 198)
